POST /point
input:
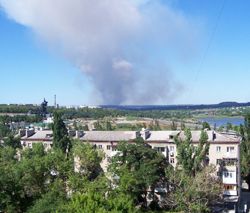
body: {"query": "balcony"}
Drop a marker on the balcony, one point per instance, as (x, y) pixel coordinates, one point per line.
(230, 192)
(229, 177)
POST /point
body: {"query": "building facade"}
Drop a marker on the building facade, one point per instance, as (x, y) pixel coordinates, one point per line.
(224, 150)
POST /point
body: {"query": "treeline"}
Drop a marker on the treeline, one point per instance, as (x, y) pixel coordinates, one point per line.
(16, 108)
(19, 118)
(95, 113)
(98, 113)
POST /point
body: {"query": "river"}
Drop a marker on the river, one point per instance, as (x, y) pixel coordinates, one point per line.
(236, 121)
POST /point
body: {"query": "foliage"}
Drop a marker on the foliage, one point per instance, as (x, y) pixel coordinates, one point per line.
(88, 160)
(50, 201)
(4, 129)
(92, 201)
(22, 181)
(205, 125)
(245, 149)
(193, 194)
(12, 141)
(137, 170)
(173, 125)
(154, 125)
(60, 133)
(192, 159)
(35, 180)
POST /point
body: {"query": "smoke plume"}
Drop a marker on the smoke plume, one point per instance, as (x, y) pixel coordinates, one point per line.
(122, 46)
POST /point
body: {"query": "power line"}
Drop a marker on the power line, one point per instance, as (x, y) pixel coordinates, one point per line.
(208, 45)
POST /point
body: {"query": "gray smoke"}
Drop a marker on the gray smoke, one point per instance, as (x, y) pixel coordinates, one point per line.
(118, 44)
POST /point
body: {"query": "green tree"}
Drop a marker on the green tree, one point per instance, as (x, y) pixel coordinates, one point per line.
(108, 126)
(4, 129)
(205, 125)
(60, 133)
(87, 160)
(96, 200)
(137, 170)
(173, 125)
(229, 126)
(86, 127)
(193, 194)
(98, 126)
(192, 159)
(183, 126)
(245, 150)
(22, 178)
(52, 200)
(12, 141)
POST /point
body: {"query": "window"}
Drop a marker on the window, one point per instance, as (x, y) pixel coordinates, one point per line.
(230, 149)
(218, 161)
(99, 146)
(114, 148)
(171, 160)
(218, 148)
(228, 187)
(219, 174)
(228, 174)
(171, 148)
(159, 149)
(108, 147)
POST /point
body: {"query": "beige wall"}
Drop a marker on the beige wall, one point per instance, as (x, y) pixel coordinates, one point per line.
(224, 151)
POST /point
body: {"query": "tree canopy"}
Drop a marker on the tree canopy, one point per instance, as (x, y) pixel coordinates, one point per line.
(245, 149)
(60, 133)
(192, 158)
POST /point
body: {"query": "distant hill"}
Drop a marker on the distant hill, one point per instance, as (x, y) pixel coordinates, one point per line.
(176, 107)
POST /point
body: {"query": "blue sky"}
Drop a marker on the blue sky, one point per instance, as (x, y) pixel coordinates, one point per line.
(216, 70)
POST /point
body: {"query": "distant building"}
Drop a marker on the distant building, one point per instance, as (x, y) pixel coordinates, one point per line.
(224, 151)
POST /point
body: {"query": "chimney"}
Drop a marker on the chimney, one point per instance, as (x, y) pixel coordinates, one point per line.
(71, 133)
(214, 135)
(29, 132)
(145, 133)
(79, 133)
(22, 132)
(137, 134)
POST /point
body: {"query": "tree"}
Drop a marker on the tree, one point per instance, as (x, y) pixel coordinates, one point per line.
(183, 126)
(205, 125)
(60, 134)
(192, 159)
(86, 127)
(50, 201)
(137, 170)
(108, 126)
(95, 199)
(229, 126)
(12, 141)
(22, 179)
(245, 150)
(98, 126)
(193, 194)
(4, 130)
(173, 125)
(87, 160)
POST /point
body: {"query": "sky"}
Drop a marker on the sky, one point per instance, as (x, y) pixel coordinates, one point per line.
(124, 52)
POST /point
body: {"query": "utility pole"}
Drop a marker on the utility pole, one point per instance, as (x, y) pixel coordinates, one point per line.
(55, 106)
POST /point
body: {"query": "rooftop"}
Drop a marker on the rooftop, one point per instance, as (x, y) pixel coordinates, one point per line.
(167, 136)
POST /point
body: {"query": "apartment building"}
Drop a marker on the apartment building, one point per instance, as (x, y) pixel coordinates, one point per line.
(224, 151)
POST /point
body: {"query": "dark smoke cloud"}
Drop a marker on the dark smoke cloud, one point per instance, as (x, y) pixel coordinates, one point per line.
(114, 43)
